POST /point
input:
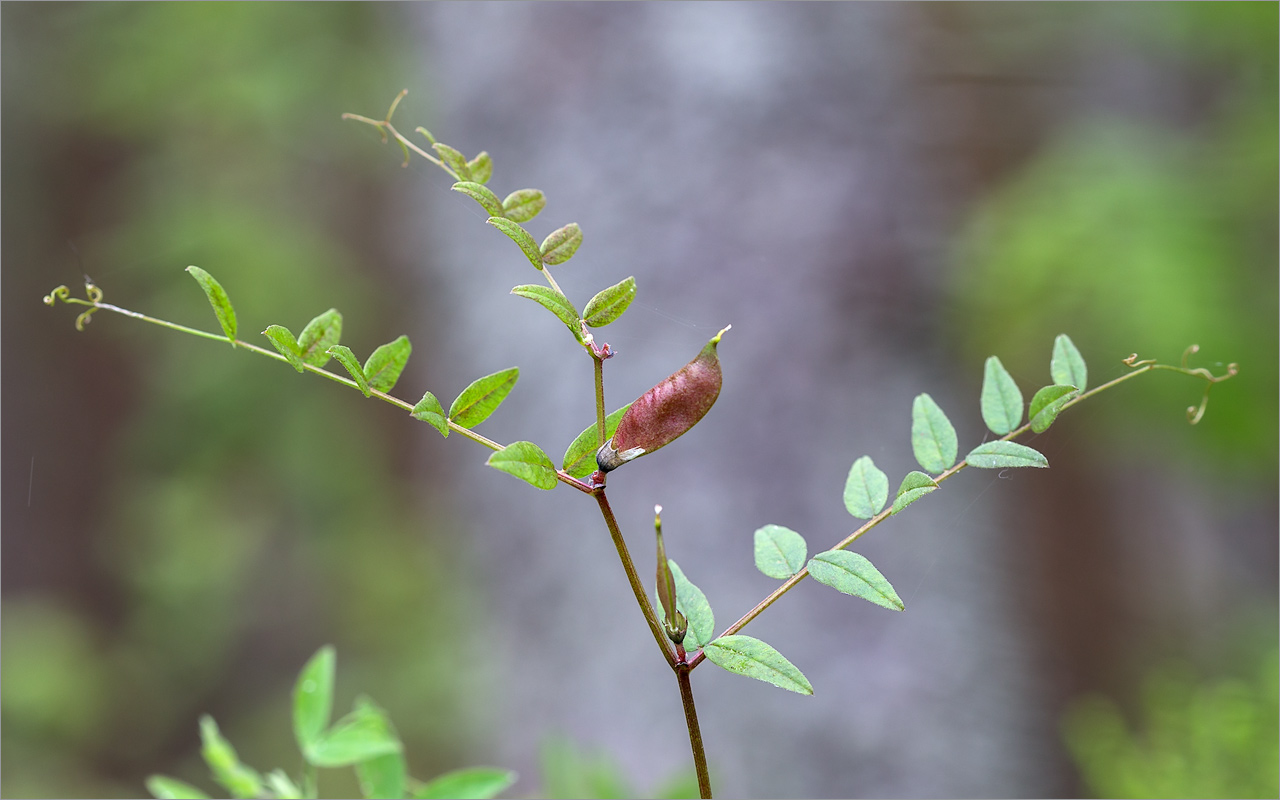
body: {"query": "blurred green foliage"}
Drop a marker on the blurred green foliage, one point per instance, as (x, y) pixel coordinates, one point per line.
(1193, 738)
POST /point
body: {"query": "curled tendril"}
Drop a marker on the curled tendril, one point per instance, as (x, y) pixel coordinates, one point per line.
(1196, 413)
(92, 292)
(1132, 361)
(60, 293)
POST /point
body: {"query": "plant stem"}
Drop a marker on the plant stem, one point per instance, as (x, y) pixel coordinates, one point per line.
(691, 720)
(600, 427)
(637, 588)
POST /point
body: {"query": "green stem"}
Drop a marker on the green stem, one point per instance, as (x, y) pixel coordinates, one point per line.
(600, 426)
(691, 721)
(637, 588)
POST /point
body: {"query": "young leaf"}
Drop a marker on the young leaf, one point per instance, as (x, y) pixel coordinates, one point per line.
(691, 602)
(282, 786)
(866, 490)
(282, 339)
(348, 360)
(554, 302)
(1001, 454)
(320, 334)
(166, 788)
(526, 461)
(780, 552)
(755, 659)
(482, 195)
(561, 244)
(313, 698)
(483, 397)
(218, 299)
(431, 412)
(1047, 404)
(481, 167)
(363, 734)
(523, 205)
(932, 437)
(385, 364)
(521, 237)
(383, 776)
(1001, 398)
(472, 783)
(852, 574)
(914, 486)
(454, 160)
(221, 757)
(609, 304)
(1067, 365)
(580, 458)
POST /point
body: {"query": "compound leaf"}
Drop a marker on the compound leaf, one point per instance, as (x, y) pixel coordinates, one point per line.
(780, 551)
(483, 397)
(853, 574)
(866, 490)
(748, 656)
(526, 461)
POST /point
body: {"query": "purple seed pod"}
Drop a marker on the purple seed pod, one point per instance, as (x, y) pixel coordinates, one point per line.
(666, 411)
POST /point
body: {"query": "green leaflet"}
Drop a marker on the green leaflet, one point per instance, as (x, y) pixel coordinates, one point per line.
(691, 602)
(481, 194)
(283, 786)
(483, 397)
(1001, 454)
(313, 698)
(523, 205)
(472, 783)
(526, 461)
(320, 334)
(348, 360)
(481, 167)
(755, 659)
(431, 412)
(282, 339)
(853, 574)
(1001, 398)
(360, 735)
(239, 780)
(454, 160)
(521, 237)
(218, 299)
(166, 788)
(780, 552)
(932, 438)
(580, 458)
(866, 490)
(914, 486)
(554, 302)
(385, 364)
(1067, 366)
(561, 244)
(1047, 404)
(383, 776)
(609, 303)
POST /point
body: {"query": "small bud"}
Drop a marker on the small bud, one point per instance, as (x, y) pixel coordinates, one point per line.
(673, 622)
(665, 412)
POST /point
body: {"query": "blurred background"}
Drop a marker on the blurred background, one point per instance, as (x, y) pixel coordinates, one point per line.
(876, 196)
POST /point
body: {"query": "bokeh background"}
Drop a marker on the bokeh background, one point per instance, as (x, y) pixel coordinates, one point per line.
(877, 197)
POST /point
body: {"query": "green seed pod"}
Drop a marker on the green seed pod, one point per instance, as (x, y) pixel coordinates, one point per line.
(666, 411)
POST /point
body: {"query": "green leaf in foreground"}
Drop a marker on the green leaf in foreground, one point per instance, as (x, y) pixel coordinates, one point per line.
(282, 786)
(385, 364)
(481, 167)
(780, 552)
(348, 360)
(1067, 366)
(755, 659)
(866, 490)
(691, 602)
(853, 574)
(313, 698)
(554, 302)
(166, 788)
(483, 397)
(1047, 404)
(609, 303)
(472, 783)
(914, 486)
(431, 412)
(320, 334)
(284, 343)
(561, 244)
(521, 237)
(933, 439)
(363, 734)
(526, 461)
(454, 160)
(482, 195)
(1001, 454)
(218, 299)
(240, 780)
(382, 776)
(523, 205)
(580, 458)
(1001, 398)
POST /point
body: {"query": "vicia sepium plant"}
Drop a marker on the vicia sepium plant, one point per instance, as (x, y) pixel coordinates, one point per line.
(684, 630)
